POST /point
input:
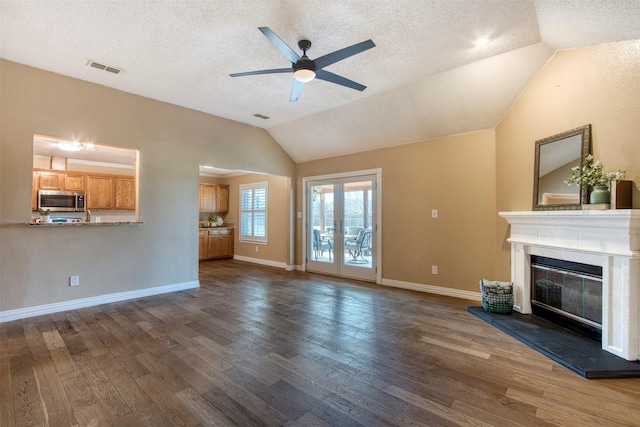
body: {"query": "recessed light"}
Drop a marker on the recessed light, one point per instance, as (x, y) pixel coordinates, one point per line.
(482, 41)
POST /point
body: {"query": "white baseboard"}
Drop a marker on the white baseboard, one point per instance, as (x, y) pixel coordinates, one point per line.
(456, 293)
(38, 310)
(266, 262)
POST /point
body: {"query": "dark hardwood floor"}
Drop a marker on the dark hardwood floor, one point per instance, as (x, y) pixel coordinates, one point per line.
(258, 346)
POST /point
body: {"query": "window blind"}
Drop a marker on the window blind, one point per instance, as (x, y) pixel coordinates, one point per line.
(253, 212)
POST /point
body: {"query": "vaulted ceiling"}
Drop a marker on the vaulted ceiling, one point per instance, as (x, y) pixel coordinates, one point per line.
(425, 78)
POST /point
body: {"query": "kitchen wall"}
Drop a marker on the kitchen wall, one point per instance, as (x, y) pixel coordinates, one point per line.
(35, 263)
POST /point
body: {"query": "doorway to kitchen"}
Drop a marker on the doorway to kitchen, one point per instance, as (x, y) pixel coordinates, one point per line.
(341, 233)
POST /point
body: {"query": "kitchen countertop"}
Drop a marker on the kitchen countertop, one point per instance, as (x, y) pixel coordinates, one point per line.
(82, 224)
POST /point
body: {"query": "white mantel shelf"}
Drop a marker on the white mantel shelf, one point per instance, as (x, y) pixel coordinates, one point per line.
(612, 232)
(606, 238)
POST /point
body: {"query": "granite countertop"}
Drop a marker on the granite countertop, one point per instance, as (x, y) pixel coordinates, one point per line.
(218, 227)
(82, 224)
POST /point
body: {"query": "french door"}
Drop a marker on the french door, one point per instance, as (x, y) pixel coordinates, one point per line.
(340, 224)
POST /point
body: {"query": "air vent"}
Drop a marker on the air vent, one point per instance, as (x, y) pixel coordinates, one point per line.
(96, 65)
(260, 116)
(103, 67)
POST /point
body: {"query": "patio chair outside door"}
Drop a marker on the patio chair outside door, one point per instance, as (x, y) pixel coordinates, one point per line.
(334, 208)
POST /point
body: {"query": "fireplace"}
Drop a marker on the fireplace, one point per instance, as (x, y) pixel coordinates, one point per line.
(607, 241)
(568, 293)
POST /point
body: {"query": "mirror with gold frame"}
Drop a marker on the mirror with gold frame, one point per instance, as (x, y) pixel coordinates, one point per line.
(554, 158)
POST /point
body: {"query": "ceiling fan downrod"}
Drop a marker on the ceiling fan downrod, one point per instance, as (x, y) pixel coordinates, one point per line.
(305, 69)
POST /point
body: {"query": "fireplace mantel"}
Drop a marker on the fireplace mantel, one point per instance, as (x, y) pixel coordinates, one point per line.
(606, 238)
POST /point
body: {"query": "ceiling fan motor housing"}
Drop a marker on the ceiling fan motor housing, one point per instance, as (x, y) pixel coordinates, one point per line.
(304, 63)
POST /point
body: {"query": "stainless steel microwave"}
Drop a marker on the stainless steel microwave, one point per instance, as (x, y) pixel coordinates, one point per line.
(62, 201)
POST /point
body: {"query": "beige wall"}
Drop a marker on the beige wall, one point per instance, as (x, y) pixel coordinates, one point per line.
(279, 210)
(35, 263)
(468, 178)
(598, 85)
(455, 175)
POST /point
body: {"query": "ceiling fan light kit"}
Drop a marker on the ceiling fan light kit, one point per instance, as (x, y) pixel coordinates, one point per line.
(305, 69)
(304, 75)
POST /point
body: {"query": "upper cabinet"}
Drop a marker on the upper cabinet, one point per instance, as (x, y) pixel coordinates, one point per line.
(125, 193)
(100, 192)
(63, 181)
(67, 181)
(74, 181)
(106, 192)
(214, 198)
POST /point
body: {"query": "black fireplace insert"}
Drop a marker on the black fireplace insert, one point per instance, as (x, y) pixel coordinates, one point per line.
(568, 293)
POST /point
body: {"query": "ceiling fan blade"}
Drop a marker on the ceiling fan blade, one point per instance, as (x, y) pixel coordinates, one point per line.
(334, 78)
(282, 46)
(255, 73)
(341, 54)
(296, 90)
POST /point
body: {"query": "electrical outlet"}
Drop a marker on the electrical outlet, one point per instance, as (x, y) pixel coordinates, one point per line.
(256, 249)
(98, 219)
(434, 269)
(74, 280)
(434, 213)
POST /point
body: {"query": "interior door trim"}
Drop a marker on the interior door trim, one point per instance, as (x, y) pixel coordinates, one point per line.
(378, 173)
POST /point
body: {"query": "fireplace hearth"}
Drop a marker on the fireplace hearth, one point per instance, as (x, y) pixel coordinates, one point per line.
(608, 240)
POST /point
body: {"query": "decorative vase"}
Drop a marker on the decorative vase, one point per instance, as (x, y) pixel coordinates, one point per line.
(600, 194)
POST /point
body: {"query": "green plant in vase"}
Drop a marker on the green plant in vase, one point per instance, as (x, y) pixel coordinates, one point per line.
(44, 214)
(592, 177)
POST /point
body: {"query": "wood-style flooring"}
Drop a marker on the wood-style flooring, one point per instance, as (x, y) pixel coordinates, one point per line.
(258, 346)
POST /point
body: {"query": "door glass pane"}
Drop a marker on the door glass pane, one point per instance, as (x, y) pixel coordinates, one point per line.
(358, 220)
(321, 223)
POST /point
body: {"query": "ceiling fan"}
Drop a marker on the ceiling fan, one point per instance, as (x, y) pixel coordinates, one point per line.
(305, 69)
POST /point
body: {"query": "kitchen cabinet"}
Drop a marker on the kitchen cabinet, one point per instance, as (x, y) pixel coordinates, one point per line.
(106, 192)
(50, 181)
(34, 192)
(216, 243)
(74, 182)
(99, 192)
(125, 193)
(203, 244)
(64, 181)
(59, 181)
(214, 198)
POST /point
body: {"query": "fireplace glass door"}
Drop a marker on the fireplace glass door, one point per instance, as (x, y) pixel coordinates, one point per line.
(571, 293)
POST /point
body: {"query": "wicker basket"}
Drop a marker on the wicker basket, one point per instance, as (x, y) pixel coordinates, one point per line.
(497, 297)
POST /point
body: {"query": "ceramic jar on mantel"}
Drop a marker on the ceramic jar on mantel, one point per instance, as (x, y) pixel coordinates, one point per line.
(599, 195)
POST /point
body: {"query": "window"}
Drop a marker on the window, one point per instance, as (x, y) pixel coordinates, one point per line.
(253, 212)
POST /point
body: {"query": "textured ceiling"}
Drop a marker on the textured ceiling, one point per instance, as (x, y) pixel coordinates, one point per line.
(425, 78)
